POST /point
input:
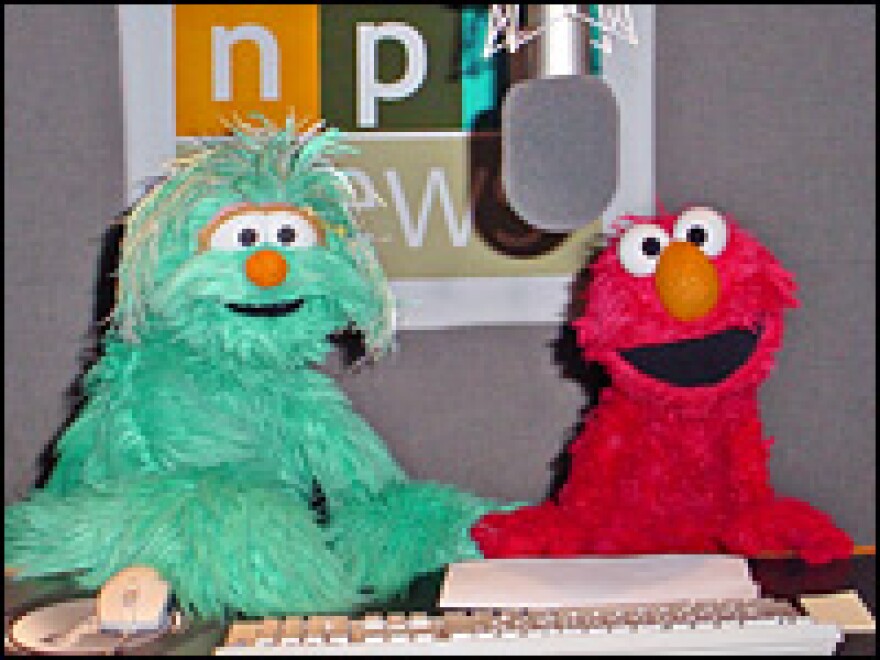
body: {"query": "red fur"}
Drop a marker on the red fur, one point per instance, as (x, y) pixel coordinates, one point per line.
(659, 468)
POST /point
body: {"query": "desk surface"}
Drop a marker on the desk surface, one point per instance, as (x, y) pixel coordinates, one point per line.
(780, 578)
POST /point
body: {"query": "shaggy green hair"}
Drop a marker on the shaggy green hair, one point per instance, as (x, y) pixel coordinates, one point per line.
(256, 164)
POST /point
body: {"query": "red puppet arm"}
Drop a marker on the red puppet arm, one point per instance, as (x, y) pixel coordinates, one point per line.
(764, 523)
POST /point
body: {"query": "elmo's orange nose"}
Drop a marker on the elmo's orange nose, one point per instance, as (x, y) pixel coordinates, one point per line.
(266, 268)
(686, 281)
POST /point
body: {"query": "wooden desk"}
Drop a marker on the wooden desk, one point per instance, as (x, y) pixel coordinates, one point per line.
(781, 578)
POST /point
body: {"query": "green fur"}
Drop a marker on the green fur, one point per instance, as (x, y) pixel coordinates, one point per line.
(229, 541)
(205, 431)
(422, 514)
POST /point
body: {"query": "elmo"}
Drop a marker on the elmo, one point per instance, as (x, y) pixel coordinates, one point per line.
(686, 314)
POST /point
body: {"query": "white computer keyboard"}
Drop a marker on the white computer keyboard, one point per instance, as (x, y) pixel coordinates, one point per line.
(743, 627)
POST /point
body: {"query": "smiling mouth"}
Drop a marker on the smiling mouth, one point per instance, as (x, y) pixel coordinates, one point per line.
(695, 362)
(271, 309)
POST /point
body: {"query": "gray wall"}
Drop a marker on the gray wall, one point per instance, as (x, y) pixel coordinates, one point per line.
(767, 112)
(64, 182)
(770, 113)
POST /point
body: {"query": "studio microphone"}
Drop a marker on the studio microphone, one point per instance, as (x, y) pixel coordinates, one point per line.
(560, 133)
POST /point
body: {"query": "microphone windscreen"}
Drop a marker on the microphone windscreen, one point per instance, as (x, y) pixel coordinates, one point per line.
(560, 150)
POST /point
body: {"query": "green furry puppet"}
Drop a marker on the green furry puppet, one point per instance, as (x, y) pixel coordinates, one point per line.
(207, 432)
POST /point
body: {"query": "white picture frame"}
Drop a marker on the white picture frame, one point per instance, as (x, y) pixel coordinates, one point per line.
(146, 52)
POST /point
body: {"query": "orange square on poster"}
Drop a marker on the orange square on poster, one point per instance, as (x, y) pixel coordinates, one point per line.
(244, 59)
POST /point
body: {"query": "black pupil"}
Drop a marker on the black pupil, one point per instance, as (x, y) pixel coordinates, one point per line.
(247, 236)
(286, 235)
(696, 235)
(651, 246)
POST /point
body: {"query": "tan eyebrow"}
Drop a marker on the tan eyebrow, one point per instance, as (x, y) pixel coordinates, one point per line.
(229, 212)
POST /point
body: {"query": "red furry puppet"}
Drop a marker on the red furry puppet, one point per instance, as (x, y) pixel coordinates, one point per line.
(685, 313)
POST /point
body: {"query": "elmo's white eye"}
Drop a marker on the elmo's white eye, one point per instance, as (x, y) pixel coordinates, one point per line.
(704, 227)
(291, 230)
(239, 232)
(640, 247)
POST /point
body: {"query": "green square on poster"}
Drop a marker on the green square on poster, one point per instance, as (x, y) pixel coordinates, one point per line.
(391, 67)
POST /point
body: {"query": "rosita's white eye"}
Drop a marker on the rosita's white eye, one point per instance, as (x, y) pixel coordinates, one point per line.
(246, 226)
(639, 248)
(704, 227)
(239, 232)
(291, 230)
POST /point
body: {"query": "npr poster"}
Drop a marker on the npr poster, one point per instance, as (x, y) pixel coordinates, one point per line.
(410, 86)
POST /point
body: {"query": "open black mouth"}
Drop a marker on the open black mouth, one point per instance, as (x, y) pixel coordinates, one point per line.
(695, 362)
(272, 309)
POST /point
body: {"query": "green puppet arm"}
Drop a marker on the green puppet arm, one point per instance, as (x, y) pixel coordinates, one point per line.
(228, 539)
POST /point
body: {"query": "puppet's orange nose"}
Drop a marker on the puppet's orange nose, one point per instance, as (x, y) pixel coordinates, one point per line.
(686, 281)
(266, 268)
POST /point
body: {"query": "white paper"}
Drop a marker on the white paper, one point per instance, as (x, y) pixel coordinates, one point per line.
(585, 581)
(846, 610)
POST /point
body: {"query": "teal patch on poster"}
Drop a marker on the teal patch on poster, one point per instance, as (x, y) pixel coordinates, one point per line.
(483, 78)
